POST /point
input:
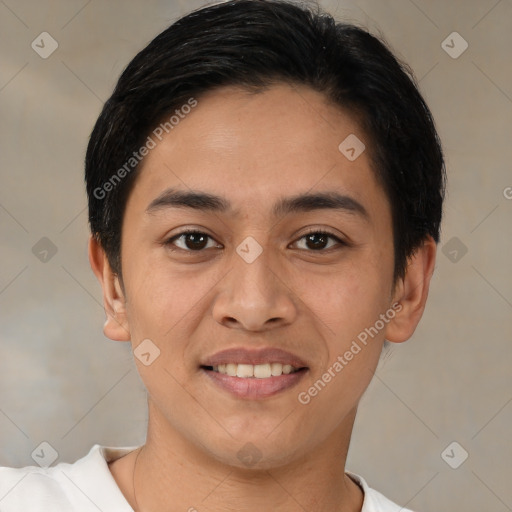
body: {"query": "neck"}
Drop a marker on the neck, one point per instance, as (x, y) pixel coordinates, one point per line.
(170, 469)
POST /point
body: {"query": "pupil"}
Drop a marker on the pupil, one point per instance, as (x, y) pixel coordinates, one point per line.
(320, 236)
(196, 241)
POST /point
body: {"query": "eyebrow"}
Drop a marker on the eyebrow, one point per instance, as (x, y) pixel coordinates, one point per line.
(301, 203)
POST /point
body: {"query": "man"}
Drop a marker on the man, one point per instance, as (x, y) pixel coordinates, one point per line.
(265, 193)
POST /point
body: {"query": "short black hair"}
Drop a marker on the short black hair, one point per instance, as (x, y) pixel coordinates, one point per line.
(255, 44)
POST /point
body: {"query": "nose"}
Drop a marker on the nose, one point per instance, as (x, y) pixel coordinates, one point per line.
(255, 296)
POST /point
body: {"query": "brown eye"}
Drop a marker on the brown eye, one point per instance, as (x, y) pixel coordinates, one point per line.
(191, 241)
(319, 240)
(316, 241)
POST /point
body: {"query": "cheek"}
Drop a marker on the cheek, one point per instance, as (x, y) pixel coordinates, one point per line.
(166, 303)
(348, 300)
(160, 308)
(347, 306)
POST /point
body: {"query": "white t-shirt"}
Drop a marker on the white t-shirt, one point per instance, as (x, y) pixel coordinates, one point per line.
(88, 486)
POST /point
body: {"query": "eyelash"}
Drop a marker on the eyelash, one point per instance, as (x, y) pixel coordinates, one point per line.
(169, 242)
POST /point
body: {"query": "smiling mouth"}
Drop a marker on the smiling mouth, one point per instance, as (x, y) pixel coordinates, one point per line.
(254, 382)
(255, 371)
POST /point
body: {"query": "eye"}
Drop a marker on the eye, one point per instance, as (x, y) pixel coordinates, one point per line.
(318, 240)
(191, 241)
(195, 241)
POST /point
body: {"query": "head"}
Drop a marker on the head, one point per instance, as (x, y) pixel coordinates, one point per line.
(258, 124)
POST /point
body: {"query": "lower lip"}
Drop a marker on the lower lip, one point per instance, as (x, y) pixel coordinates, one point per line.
(254, 388)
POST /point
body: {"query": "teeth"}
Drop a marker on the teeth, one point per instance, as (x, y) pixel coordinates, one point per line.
(287, 368)
(259, 371)
(276, 368)
(245, 370)
(262, 371)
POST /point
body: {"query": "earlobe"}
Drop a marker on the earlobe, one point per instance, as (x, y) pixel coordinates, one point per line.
(412, 292)
(116, 325)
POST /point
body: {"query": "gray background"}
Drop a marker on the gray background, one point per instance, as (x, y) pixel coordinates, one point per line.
(63, 382)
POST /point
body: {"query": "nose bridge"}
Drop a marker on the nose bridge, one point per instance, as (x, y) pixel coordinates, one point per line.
(252, 269)
(254, 295)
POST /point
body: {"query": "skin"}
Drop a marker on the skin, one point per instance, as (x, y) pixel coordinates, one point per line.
(253, 149)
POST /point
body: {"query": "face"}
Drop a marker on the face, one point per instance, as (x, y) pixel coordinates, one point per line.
(269, 276)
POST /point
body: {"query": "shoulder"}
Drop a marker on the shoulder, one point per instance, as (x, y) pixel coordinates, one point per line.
(85, 485)
(31, 487)
(374, 501)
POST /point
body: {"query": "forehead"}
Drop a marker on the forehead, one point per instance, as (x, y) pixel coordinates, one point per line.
(284, 140)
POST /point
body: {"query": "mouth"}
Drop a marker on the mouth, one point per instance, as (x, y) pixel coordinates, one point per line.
(254, 374)
(255, 371)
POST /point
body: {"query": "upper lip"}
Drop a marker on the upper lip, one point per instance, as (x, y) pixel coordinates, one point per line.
(243, 355)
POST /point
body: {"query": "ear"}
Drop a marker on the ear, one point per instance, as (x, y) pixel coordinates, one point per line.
(411, 292)
(116, 326)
